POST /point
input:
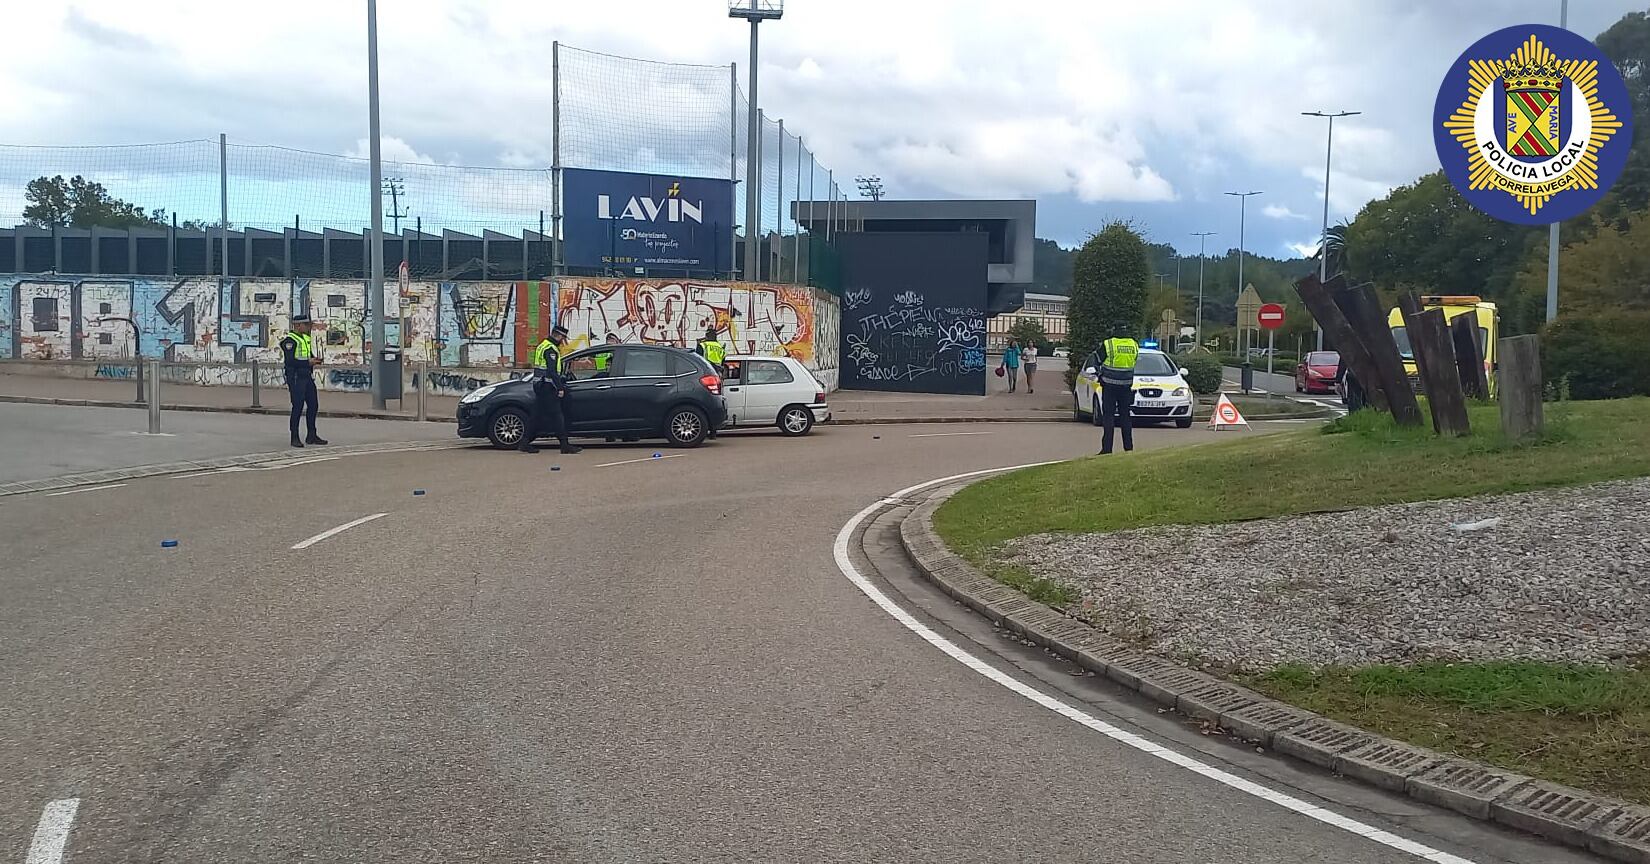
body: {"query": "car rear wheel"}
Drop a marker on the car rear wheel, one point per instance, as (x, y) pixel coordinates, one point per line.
(795, 420)
(507, 427)
(686, 427)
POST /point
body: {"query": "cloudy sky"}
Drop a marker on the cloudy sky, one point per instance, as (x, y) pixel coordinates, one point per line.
(1099, 110)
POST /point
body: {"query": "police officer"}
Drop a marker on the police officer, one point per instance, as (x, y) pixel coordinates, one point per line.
(1117, 357)
(549, 388)
(711, 348)
(298, 362)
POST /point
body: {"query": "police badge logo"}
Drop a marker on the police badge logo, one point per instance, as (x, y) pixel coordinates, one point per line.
(1532, 124)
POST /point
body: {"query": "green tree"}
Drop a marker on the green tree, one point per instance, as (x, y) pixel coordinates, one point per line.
(1627, 43)
(80, 203)
(1108, 287)
(1030, 331)
(1606, 273)
(1051, 267)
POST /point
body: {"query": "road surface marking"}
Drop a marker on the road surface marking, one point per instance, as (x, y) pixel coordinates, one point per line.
(305, 544)
(53, 832)
(86, 489)
(634, 461)
(947, 434)
(1225, 778)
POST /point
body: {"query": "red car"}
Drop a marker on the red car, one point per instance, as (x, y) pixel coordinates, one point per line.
(1316, 373)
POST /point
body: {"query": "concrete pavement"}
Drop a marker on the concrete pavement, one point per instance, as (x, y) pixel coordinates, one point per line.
(628, 659)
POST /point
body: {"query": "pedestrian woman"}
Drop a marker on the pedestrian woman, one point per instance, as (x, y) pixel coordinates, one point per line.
(1011, 362)
(1029, 357)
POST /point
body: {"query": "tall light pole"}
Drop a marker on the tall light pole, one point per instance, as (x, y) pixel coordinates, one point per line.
(375, 288)
(1552, 230)
(1243, 209)
(1323, 248)
(754, 11)
(1201, 236)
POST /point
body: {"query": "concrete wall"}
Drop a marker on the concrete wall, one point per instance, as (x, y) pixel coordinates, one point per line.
(444, 381)
(479, 329)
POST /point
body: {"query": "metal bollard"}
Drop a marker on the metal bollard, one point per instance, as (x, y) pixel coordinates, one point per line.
(257, 402)
(423, 384)
(154, 397)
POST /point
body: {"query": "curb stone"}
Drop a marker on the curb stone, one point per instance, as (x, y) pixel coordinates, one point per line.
(98, 478)
(1605, 826)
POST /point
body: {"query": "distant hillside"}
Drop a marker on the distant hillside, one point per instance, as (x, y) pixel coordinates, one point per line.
(1272, 277)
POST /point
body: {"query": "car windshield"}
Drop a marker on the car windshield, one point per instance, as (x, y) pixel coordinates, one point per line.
(1400, 335)
(1323, 358)
(1155, 364)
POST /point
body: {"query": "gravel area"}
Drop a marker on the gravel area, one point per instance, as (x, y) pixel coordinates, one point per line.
(1553, 575)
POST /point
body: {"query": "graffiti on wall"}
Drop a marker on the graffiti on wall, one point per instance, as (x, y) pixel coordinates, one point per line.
(194, 319)
(910, 342)
(754, 318)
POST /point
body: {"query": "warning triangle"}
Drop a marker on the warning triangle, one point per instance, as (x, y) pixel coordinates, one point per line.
(1226, 415)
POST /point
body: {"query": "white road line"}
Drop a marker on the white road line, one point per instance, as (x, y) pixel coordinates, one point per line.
(947, 434)
(648, 459)
(87, 489)
(305, 544)
(52, 835)
(1130, 739)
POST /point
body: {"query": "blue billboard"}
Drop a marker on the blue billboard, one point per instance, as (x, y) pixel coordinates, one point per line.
(620, 220)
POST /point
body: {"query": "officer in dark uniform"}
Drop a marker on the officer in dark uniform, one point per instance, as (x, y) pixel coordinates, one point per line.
(549, 388)
(298, 363)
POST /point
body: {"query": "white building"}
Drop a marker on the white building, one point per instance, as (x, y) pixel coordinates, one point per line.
(1046, 309)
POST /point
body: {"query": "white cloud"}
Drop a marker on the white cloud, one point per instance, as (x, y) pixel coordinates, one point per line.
(390, 149)
(1278, 211)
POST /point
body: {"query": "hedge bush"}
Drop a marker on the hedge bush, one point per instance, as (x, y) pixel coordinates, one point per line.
(1202, 373)
(1598, 356)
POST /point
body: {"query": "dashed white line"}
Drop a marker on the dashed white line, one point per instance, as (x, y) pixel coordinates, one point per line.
(947, 434)
(648, 459)
(52, 834)
(1319, 814)
(305, 544)
(86, 489)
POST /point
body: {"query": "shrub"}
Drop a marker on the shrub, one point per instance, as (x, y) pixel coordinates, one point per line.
(1108, 285)
(1598, 356)
(1202, 373)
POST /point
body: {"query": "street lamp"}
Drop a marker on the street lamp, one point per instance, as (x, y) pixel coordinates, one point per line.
(870, 187)
(1201, 236)
(1243, 206)
(754, 11)
(1323, 248)
(1552, 230)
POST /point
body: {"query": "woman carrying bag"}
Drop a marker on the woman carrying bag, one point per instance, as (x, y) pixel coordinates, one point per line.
(1011, 364)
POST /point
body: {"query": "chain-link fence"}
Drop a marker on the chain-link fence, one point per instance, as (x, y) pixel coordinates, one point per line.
(299, 213)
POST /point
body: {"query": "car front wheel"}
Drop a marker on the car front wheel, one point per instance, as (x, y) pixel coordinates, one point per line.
(507, 427)
(686, 427)
(795, 420)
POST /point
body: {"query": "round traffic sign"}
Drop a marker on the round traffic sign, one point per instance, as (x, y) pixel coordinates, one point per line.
(1226, 413)
(1270, 316)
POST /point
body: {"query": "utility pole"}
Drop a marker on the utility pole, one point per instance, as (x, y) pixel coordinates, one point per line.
(375, 288)
(1323, 248)
(754, 11)
(394, 188)
(1201, 236)
(1552, 230)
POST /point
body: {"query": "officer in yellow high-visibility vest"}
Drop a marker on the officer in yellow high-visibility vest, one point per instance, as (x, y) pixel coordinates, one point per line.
(549, 388)
(711, 348)
(298, 362)
(1117, 358)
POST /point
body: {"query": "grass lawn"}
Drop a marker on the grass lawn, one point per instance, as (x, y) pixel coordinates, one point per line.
(1587, 726)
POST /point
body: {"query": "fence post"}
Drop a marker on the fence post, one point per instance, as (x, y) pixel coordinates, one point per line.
(733, 167)
(1315, 295)
(1469, 356)
(423, 385)
(256, 401)
(1435, 359)
(1518, 386)
(555, 161)
(154, 396)
(1363, 311)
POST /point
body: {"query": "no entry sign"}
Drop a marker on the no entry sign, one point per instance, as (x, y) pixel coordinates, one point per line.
(1270, 316)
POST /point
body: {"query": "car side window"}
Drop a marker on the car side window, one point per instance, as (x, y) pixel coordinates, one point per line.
(733, 371)
(583, 367)
(643, 363)
(767, 372)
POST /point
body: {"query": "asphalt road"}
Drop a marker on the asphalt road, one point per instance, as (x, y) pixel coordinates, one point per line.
(39, 441)
(628, 659)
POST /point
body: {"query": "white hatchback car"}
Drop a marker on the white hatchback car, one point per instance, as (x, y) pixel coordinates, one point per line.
(1160, 392)
(772, 391)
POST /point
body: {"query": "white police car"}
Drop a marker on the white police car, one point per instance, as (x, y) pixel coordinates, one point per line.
(1161, 393)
